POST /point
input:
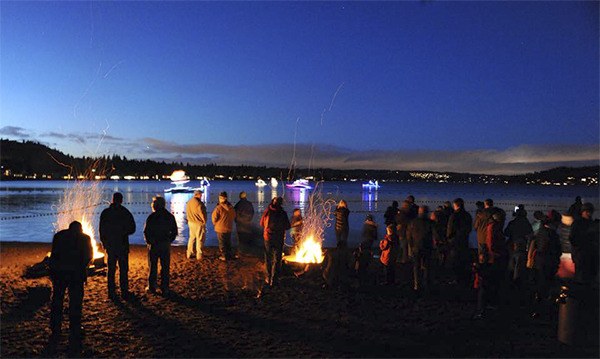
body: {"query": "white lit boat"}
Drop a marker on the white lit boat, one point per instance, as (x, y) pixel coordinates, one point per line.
(179, 179)
(299, 183)
(204, 183)
(274, 182)
(260, 183)
(371, 185)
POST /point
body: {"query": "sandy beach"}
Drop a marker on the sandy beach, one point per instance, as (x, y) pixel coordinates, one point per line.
(221, 310)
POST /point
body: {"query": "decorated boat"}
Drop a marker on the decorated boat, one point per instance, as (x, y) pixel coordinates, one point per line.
(371, 185)
(299, 183)
(260, 183)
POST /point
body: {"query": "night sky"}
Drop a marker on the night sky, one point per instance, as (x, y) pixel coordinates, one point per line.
(492, 87)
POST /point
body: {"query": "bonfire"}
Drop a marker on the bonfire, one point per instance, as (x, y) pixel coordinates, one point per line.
(317, 217)
(77, 204)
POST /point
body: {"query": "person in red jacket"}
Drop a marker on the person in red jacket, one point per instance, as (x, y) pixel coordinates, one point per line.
(389, 254)
(275, 222)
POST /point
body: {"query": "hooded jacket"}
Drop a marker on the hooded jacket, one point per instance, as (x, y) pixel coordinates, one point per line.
(275, 222)
(222, 217)
(420, 236)
(196, 211)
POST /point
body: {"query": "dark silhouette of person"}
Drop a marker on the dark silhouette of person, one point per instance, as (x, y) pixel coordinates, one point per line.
(584, 244)
(419, 236)
(275, 222)
(71, 253)
(116, 224)
(575, 208)
(390, 214)
(519, 232)
(342, 226)
(244, 213)
(160, 231)
(460, 225)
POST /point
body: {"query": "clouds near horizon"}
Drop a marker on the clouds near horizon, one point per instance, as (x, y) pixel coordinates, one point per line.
(519, 159)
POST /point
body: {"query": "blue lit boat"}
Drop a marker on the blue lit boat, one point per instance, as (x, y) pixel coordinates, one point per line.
(371, 185)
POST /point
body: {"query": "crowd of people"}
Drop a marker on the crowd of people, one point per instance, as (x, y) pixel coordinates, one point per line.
(507, 255)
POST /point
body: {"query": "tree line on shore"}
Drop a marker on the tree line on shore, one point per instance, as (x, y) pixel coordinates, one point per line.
(24, 159)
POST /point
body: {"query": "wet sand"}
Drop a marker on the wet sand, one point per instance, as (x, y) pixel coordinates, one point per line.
(221, 310)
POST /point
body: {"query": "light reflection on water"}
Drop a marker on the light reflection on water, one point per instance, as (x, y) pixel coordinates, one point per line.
(27, 208)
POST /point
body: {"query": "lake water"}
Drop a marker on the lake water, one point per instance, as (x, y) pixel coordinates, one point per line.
(28, 208)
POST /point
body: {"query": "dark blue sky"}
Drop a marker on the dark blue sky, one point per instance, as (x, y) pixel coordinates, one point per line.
(377, 84)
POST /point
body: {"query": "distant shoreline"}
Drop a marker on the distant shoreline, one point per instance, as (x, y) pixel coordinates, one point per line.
(337, 180)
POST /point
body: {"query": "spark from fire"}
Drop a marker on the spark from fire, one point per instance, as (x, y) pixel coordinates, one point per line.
(77, 204)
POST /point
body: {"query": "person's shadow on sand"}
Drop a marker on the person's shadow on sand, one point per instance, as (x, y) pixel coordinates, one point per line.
(35, 298)
(155, 329)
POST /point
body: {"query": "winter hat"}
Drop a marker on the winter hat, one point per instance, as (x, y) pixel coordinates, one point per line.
(223, 194)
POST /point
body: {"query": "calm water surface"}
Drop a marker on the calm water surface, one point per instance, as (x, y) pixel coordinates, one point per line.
(28, 208)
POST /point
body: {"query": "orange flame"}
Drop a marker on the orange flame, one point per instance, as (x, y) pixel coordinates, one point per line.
(308, 251)
(89, 230)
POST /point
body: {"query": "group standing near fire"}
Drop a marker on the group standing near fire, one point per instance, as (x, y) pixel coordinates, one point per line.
(414, 235)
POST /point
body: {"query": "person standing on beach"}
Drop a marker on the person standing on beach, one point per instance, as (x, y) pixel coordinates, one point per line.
(342, 226)
(459, 228)
(196, 217)
(518, 232)
(575, 208)
(275, 222)
(584, 244)
(223, 217)
(440, 223)
(389, 254)
(244, 213)
(413, 208)
(419, 236)
(482, 219)
(159, 232)
(116, 225)
(544, 253)
(403, 219)
(390, 214)
(71, 253)
(363, 254)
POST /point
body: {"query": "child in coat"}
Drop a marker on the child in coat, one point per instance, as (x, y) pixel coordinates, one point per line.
(389, 254)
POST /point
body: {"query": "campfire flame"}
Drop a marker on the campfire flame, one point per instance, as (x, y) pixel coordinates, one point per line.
(309, 251)
(89, 230)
